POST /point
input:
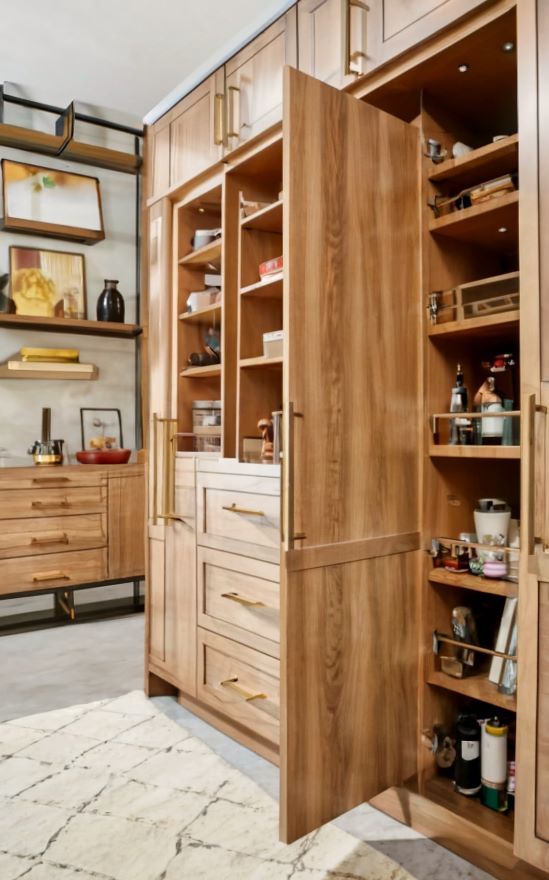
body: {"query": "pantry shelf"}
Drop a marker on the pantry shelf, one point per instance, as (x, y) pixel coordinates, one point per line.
(202, 316)
(492, 224)
(501, 452)
(489, 161)
(268, 219)
(269, 289)
(465, 581)
(476, 687)
(209, 254)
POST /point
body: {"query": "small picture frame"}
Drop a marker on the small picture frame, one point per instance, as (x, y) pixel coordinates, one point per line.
(101, 428)
(46, 284)
(47, 201)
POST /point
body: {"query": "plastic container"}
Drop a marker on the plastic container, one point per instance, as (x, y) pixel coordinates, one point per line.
(273, 343)
(207, 425)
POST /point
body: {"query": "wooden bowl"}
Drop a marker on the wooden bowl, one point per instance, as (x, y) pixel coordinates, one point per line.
(103, 456)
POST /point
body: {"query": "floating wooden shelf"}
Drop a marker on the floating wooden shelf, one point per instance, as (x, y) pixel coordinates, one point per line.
(202, 316)
(486, 326)
(71, 325)
(266, 289)
(254, 363)
(268, 219)
(441, 790)
(485, 163)
(199, 372)
(476, 687)
(6, 373)
(443, 451)
(204, 256)
(480, 224)
(472, 582)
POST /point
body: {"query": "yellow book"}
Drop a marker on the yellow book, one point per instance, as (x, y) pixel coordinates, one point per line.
(63, 355)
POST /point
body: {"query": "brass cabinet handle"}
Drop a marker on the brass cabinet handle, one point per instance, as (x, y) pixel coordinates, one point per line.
(346, 35)
(234, 597)
(290, 488)
(49, 505)
(233, 130)
(62, 538)
(51, 576)
(232, 685)
(167, 487)
(530, 449)
(50, 480)
(233, 508)
(218, 119)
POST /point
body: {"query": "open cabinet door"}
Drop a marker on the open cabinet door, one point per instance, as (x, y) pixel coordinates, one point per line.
(349, 635)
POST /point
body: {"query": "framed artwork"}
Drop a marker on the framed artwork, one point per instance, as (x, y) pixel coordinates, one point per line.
(46, 284)
(49, 202)
(101, 428)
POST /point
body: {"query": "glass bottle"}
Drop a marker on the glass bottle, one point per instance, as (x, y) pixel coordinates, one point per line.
(110, 305)
(459, 428)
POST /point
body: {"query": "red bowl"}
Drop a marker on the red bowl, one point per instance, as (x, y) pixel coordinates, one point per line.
(103, 456)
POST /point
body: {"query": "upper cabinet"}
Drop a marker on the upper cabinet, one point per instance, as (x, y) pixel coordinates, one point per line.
(253, 80)
(334, 40)
(196, 130)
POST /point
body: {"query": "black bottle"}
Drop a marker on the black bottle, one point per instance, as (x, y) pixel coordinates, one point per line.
(467, 766)
(110, 305)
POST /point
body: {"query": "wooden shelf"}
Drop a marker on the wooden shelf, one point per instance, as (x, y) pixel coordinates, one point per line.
(441, 790)
(486, 326)
(443, 451)
(199, 372)
(268, 219)
(476, 687)
(464, 581)
(204, 256)
(485, 163)
(6, 373)
(254, 363)
(479, 224)
(71, 325)
(266, 289)
(202, 316)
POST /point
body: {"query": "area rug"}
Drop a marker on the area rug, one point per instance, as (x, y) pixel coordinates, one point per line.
(114, 790)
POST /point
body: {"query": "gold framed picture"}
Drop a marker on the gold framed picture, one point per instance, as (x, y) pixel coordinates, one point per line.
(45, 201)
(46, 284)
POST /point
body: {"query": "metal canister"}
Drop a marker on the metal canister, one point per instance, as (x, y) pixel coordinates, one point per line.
(493, 760)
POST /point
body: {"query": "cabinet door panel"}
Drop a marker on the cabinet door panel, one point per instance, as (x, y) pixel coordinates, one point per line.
(322, 43)
(351, 318)
(193, 137)
(126, 513)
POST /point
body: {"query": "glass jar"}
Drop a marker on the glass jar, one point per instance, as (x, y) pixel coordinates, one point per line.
(207, 425)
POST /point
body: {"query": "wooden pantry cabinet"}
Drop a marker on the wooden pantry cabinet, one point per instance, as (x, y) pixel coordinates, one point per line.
(305, 601)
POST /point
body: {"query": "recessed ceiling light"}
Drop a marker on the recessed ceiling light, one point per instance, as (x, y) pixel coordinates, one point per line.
(463, 68)
(508, 46)
(502, 229)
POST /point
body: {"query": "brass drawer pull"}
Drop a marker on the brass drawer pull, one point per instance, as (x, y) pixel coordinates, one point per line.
(50, 480)
(62, 538)
(49, 505)
(232, 685)
(232, 508)
(234, 597)
(51, 576)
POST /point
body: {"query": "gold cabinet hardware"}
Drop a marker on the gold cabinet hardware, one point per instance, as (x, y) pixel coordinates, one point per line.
(50, 576)
(348, 56)
(234, 597)
(166, 491)
(233, 508)
(218, 119)
(442, 639)
(233, 129)
(530, 447)
(50, 480)
(49, 505)
(62, 538)
(66, 602)
(232, 685)
(289, 483)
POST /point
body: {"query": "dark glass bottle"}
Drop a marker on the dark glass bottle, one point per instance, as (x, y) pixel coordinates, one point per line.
(110, 305)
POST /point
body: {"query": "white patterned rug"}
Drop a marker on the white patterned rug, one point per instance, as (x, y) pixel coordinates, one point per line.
(116, 791)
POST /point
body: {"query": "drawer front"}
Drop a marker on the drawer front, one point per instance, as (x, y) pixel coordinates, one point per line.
(52, 502)
(53, 534)
(52, 570)
(240, 683)
(244, 517)
(52, 478)
(239, 597)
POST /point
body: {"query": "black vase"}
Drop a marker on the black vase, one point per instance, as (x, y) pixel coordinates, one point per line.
(110, 305)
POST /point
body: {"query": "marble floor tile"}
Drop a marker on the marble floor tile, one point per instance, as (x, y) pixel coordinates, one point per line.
(154, 733)
(202, 773)
(59, 748)
(102, 725)
(48, 871)
(14, 738)
(150, 803)
(334, 850)
(17, 774)
(133, 703)
(26, 828)
(113, 756)
(12, 867)
(198, 862)
(70, 788)
(56, 719)
(119, 848)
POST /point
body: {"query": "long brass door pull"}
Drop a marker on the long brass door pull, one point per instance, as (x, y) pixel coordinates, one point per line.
(234, 597)
(233, 508)
(232, 685)
(51, 576)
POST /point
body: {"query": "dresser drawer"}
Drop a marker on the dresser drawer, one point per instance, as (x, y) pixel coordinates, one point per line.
(52, 502)
(52, 534)
(52, 570)
(239, 597)
(240, 683)
(52, 478)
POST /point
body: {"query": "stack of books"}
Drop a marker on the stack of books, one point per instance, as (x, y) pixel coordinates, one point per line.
(62, 360)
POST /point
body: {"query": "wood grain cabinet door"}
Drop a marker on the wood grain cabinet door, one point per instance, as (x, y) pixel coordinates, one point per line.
(253, 80)
(349, 590)
(157, 159)
(333, 40)
(196, 131)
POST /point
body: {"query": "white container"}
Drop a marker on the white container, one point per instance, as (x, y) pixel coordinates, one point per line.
(273, 344)
(490, 524)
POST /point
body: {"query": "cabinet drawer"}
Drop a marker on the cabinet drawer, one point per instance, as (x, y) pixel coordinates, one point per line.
(53, 570)
(51, 502)
(240, 683)
(54, 534)
(239, 597)
(52, 478)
